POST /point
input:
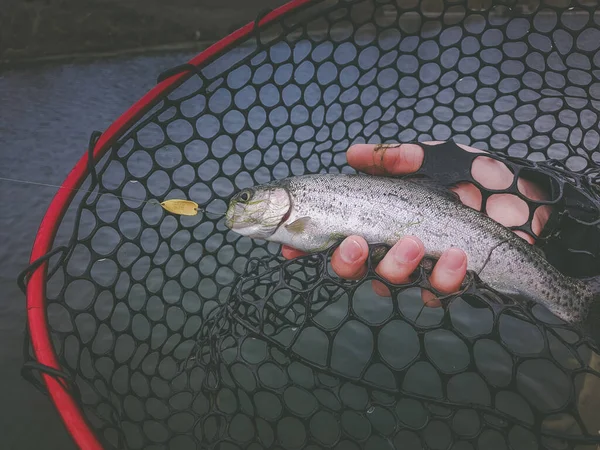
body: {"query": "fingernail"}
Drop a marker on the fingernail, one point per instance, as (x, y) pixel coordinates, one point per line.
(408, 250)
(350, 251)
(454, 259)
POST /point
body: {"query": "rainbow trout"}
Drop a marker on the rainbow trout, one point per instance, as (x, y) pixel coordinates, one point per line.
(312, 212)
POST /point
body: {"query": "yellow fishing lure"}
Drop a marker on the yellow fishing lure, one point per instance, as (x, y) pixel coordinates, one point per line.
(181, 207)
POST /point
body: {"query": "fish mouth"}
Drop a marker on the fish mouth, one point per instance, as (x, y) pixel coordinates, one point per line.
(229, 217)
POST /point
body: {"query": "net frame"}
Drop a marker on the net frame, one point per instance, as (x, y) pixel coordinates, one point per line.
(62, 397)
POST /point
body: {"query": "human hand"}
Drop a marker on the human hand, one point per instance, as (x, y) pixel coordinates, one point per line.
(349, 259)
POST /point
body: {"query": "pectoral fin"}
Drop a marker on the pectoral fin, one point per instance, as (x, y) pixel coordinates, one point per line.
(298, 225)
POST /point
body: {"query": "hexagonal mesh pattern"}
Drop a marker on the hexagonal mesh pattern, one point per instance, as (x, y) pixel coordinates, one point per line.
(181, 334)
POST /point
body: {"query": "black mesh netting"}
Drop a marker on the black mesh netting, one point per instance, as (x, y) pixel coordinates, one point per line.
(179, 333)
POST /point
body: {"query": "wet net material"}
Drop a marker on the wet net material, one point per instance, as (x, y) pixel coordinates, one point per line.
(175, 332)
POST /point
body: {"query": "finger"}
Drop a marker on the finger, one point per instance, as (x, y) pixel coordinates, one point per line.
(447, 275)
(491, 173)
(510, 211)
(348, 260)
(469, 195)
(291, 253)
(540, 218)
(535, 192)
(463, 146)
(531, 190)
(399, 263)
(380, 289)
(391, 159)
(506, 209)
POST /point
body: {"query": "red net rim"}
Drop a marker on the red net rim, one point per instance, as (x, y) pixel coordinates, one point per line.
(67, 407)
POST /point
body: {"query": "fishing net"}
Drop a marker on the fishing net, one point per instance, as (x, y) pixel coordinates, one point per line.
(171, 331)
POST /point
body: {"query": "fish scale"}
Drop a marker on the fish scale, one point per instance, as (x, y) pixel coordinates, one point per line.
(317, 210)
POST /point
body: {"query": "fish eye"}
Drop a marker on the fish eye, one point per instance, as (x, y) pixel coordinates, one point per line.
(245, 196)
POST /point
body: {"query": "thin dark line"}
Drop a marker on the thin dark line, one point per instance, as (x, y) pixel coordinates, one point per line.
(153, 201)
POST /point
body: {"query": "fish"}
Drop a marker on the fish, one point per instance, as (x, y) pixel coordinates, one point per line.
(313, 212)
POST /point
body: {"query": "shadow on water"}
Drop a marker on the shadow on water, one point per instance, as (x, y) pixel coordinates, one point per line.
(46, 118)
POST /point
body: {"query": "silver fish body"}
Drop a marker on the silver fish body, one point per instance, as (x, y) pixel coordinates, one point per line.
(311, 212)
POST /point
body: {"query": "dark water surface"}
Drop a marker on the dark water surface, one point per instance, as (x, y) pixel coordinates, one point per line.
(46, 117)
